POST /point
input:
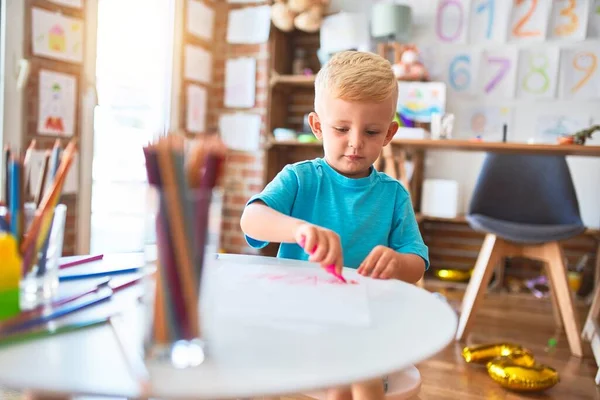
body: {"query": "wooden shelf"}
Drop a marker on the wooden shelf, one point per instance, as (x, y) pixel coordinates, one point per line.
(466, 145)
(293, 80)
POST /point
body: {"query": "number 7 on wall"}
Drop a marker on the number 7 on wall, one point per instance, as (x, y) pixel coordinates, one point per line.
(498, 73)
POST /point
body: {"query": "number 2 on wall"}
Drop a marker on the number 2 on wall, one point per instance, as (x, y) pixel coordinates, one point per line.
(504, 64)
(571, 26)
(518, 30)
(443, 6)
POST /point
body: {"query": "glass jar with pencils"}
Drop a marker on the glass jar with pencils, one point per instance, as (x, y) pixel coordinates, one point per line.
(184, 226)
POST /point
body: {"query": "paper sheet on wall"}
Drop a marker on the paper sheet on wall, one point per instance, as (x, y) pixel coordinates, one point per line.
(200, 19)
(56, 36)
(419, 100)
(550, 127)
(487, 122)
(240, 82)
(196, 109)
(498, 73)
(57, 103)
(489, 21)
(69, 3)
(569, 19)
(461, 71)
(241, 131)
(451, 20)
(36, 163)
(580, 73)
(267, 293)
(529, 20)
(537, 75)
(594, 20)
(198, 64)
(250, 25)
(344, 31)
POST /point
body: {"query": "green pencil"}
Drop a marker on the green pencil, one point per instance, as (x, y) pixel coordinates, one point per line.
(47, 332)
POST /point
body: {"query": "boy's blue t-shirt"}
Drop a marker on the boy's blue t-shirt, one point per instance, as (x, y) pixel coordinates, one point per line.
(364, 212)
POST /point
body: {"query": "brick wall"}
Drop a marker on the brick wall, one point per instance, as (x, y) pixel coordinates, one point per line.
(31, 104)
(244, 170)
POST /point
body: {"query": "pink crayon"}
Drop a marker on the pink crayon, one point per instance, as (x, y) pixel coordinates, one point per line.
(330, 268)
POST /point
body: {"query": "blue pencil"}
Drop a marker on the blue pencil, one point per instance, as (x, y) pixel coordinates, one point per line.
(92, 275)
(15, 198)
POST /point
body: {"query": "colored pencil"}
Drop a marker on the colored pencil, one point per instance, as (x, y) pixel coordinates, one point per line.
(81, 261)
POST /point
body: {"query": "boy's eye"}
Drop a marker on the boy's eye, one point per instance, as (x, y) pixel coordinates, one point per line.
(372, 132)
(340, 129)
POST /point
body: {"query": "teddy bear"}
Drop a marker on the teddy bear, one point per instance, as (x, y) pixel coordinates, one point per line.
(304, 15)
(409, 68)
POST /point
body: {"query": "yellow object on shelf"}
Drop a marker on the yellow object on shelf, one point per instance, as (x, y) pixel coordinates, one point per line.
(453, 275)
(10, 273)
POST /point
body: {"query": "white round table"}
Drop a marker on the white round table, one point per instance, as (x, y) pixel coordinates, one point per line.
(245, 357)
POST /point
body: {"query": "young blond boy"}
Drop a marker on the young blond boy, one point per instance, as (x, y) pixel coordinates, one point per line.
(338, 209)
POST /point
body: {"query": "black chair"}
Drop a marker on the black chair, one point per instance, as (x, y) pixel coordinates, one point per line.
(525, 204)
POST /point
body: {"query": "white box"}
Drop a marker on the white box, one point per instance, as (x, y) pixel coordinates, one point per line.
(440, 198)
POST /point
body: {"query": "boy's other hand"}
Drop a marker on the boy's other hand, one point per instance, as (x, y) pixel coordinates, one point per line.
(381, 263)
(322, 244)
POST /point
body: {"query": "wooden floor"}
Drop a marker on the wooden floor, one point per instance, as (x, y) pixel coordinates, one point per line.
(521, 319)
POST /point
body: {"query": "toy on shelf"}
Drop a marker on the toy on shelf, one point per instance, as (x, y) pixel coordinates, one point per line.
(304, 15)
(408, 67)
(579, 137)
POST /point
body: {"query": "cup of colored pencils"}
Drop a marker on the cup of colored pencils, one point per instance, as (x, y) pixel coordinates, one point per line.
(186, 183)
(34, 219)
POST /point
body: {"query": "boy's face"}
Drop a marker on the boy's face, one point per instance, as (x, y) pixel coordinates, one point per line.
(353, 133)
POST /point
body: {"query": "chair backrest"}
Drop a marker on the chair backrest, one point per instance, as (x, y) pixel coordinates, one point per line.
(526, 188)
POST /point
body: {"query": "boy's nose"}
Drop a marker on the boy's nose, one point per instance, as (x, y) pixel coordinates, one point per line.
(354, 141)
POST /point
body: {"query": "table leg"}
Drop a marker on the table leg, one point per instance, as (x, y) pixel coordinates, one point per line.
(416, 181)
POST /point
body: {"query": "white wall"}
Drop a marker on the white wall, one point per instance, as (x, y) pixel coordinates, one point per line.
(464, 167)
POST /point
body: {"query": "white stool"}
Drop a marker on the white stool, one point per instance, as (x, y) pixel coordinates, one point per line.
(402, 385)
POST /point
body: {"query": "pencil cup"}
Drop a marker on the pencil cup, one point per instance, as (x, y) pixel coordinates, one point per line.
(182, 239)
(39, 282)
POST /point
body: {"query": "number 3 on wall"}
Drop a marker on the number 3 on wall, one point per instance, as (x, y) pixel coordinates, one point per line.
(443, 8)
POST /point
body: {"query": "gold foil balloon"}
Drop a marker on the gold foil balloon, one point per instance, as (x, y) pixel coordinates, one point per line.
(453, 275)
(520, 373)
(487, 352)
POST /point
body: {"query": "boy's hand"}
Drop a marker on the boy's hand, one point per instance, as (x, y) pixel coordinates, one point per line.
(322, 244)
(381, 263)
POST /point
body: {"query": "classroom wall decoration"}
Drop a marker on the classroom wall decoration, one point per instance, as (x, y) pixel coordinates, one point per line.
(196, 100)
(57, 103)
(197, 64)
(56, 36)
(200, 19)
(538, 72)
(580, 73)
(69, 3)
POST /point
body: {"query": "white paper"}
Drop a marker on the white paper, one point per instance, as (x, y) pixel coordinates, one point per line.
(498, 73)
(56, 36)
(594, 20)
(57, 103)
(538, 73)
(487, 122)
(36, 163)
(580, 73)
(241, 131)
(198, 64)
(489, 21)
(418, 101)
(200, 19)
(250, 25)
(344, 31)
(529, 20)
(569, 19)
(267, 294)
(69, 3)
(461, 70)
(550, 127)
(452, 20)
(240, 82)
(196, 109)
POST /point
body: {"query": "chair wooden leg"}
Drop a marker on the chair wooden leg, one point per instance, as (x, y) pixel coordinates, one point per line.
(557, 273)
(555, 306)
(590, 326)
(489, 255)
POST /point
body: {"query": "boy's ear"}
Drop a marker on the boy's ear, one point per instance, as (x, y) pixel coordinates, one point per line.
(391, 132)
(315, 125)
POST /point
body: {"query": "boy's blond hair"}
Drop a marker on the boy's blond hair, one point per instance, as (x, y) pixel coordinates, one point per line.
(357, 76)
